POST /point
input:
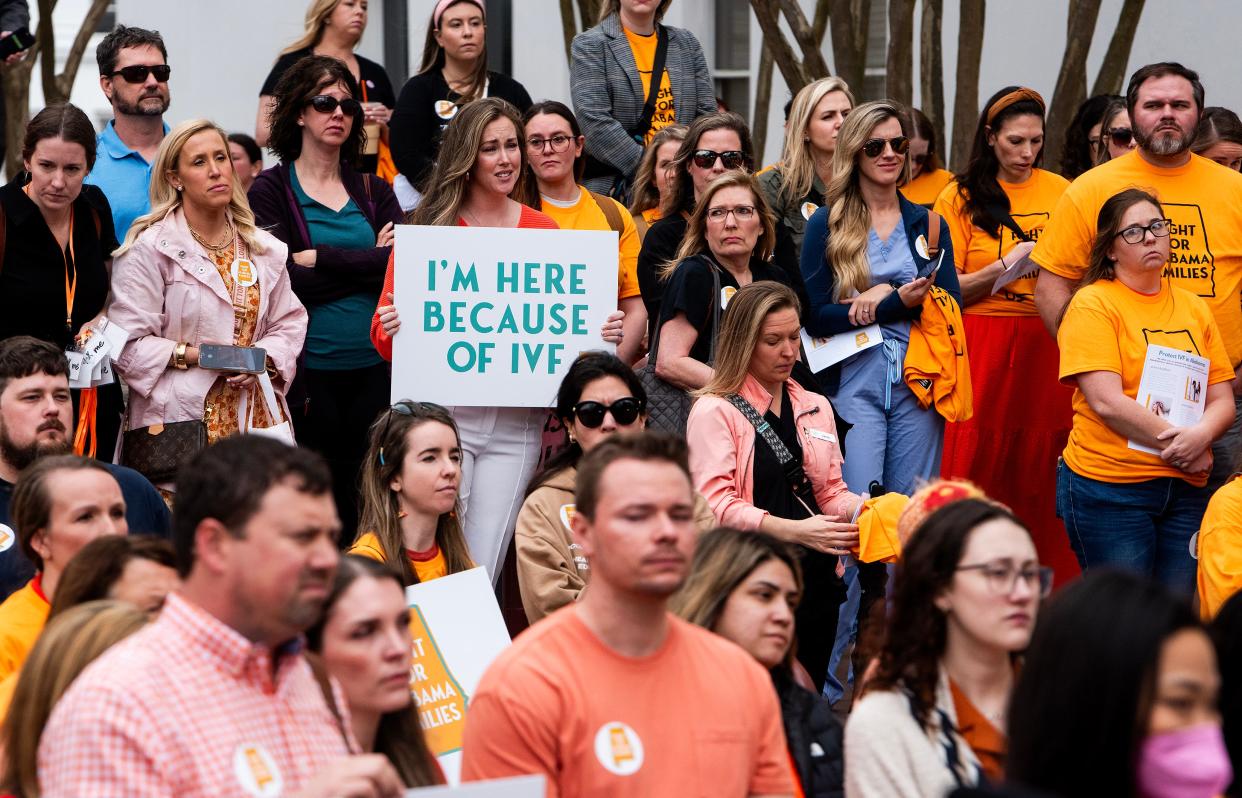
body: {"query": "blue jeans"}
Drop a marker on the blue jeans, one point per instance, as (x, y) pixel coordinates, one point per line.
(1145, 527)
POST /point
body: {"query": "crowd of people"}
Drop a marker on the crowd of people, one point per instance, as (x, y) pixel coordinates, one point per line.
(993, 548)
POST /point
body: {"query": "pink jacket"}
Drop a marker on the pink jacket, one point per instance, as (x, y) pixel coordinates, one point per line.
(165, 290)
(722, 454)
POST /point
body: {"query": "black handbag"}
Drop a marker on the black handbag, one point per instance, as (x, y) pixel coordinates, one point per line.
(668, 407)
(158, 451)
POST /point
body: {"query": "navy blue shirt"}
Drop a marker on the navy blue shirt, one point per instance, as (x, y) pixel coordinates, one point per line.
(145, 512)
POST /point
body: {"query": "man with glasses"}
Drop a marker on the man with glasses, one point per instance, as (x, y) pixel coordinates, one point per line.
(133, 73)
(1203, 201)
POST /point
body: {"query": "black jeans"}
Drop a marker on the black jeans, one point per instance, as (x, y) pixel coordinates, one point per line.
(334, 420)
(816, 617)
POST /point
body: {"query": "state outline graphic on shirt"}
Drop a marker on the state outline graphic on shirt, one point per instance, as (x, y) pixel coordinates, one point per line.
(1191, 261)
(1008, 239)
(1173, 339)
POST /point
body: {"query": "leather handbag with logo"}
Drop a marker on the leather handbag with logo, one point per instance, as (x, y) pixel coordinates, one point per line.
(158, 451)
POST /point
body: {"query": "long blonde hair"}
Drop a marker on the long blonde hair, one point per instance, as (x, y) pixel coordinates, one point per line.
(740, 328)
(316, 17)
(380, 512)
(164, 198)
(797, 159)
(849, 219)
(458, 152)
(646, 194)
(694, 241)
(70, 642)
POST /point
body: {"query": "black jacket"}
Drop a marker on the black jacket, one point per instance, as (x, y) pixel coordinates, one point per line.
(814, 736)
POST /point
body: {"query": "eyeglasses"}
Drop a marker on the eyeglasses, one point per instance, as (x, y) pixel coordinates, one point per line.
(406, 408)
(1121, 136)
(1135, 233)
(558, 143)
(138, 73)
(326, 104)
(874, 147)
(1002, 577)
(742, 213)
(624, 411)
(706, 159)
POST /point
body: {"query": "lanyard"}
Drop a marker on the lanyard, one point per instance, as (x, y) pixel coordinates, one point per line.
(71, 287)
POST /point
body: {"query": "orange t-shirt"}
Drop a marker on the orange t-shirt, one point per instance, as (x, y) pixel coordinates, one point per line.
(585, 214)
(427, 565)
(1108, 327)
(22, 618)
(1220, 548)
(924, 189)
(698, 717)
(644, 48)
(1031, 205)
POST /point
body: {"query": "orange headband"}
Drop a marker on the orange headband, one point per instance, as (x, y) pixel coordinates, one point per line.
(1017, 95)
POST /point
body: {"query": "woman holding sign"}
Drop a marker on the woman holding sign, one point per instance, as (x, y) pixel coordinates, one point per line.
(481, 180)
(363, 639)
(995, 210)
(1130, 485)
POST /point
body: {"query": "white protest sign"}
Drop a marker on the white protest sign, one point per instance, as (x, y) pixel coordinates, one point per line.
(457, 630)
(516, 787)
(494, 316)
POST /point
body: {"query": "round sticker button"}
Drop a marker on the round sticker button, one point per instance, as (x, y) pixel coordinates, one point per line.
(244, 272)
(618, 748)
(7, 538)
(808, 210)
(256, 771)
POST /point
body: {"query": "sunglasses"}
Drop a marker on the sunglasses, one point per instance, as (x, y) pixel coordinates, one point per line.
(624, 411)
(1121, 136)
(706, 159)
(872, 148)
(138, 73)
(406, 408)
(326, 104)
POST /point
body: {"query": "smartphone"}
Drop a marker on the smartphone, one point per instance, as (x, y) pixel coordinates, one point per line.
(239, 359)
(932, 274)
(15, 43)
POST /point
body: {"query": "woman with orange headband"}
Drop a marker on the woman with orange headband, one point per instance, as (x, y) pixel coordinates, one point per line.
(996, 210)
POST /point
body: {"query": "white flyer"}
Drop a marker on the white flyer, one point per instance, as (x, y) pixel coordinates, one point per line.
(824, 352)
(1023, 267)
(1173, 387)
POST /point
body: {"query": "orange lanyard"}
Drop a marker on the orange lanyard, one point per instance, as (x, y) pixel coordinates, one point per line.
(362, 84)
(71, 287)
(88, 402)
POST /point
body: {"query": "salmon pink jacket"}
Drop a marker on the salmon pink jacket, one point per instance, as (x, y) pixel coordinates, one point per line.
(722, 454)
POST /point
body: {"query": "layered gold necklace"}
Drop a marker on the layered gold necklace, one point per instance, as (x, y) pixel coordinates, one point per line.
(218, 252)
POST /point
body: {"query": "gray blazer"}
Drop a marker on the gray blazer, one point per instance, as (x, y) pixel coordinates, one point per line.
(608, 93)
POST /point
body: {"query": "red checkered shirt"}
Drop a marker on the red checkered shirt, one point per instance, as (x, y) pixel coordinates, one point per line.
(188, 707)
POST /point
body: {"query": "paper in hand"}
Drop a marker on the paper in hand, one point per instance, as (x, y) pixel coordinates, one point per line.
(1023, 267)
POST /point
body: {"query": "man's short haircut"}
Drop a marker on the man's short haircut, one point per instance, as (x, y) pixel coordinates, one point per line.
(1160, 70)
(31, 507)
(116, 41)
(647, 447)
(227, 482)
(22, 355)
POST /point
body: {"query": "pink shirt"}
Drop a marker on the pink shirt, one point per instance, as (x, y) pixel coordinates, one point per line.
(188, 707)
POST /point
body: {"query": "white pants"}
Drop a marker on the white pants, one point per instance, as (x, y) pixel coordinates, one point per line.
(500, 449)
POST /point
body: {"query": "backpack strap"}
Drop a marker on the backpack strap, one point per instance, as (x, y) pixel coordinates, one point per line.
(933, 234)
(609, 209)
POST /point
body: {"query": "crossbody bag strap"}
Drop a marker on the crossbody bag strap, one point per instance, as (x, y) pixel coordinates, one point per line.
(790, 466)
(933, 234)
(653, 89)
(1006, 220)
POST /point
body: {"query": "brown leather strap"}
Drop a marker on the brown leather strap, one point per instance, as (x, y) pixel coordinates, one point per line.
(933, 234)
(609, 208)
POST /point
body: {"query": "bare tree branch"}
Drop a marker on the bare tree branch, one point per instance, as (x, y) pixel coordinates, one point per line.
(900, 70)
(791, 69)
(966, 99)
(569, 27)
(849, 23)
(46, 37)
(813, 63)
(820, 26)
(73, 60)
(763, 99)
(931, 71)
(1071, 88)
(1117, 58)
(588, 12)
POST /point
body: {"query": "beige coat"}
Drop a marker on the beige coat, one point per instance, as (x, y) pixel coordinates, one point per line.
(552, 570)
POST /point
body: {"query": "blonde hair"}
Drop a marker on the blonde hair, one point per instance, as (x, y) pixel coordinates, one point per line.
(797, 159)
(646, 195)
(849, 219)
(458, 152)
(316, 18)
(740, 328)
(165, 199)
(70, 642)
(609, 7)
(694, 241)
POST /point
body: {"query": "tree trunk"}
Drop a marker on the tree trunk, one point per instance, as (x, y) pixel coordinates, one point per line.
(763, 100)
(813, 63)
(1117, 59)
(775, 42)
(899, 82)
(569, 27)
(73, 59)
(15, 81)
(849, 22)
(931, 72)
(966, 100)
(1071, 88)
(820, 26)
(47, 45)
(588, 12)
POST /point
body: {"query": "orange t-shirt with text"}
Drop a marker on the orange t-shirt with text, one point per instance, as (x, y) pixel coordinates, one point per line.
(699, 717)
(1030, 204)
(1108, 327)
(643, 48)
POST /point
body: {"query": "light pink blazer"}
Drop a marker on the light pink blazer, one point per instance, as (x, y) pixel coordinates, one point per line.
(722, 454)
(165, 290)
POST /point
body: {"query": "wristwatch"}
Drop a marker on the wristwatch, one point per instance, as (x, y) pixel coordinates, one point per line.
(179, 356)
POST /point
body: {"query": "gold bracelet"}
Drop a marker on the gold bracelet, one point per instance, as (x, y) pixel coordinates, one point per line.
(179, 356)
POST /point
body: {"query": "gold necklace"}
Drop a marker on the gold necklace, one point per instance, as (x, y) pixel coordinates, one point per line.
(217, 251)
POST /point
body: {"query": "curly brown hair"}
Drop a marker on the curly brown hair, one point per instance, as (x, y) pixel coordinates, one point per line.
(305, 79)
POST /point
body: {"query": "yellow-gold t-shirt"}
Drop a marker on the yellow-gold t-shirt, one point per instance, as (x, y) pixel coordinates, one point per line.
(1220, 548)
(1030, 205)
(643, 48)
(22, 618)
(924, 189)
(1108, 327)
(585, 214)
(1204, 201)
(427, 565)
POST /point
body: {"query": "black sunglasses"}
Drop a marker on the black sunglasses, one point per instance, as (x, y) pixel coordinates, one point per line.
(326, 104)
(406, 408)
(138, 73)
(624, 411)
(1121, 136)
(732, 159)
(873, 147)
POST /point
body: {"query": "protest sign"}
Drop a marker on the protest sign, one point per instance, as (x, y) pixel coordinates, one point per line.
(457, 630)
(494, 316)
(516, 787)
